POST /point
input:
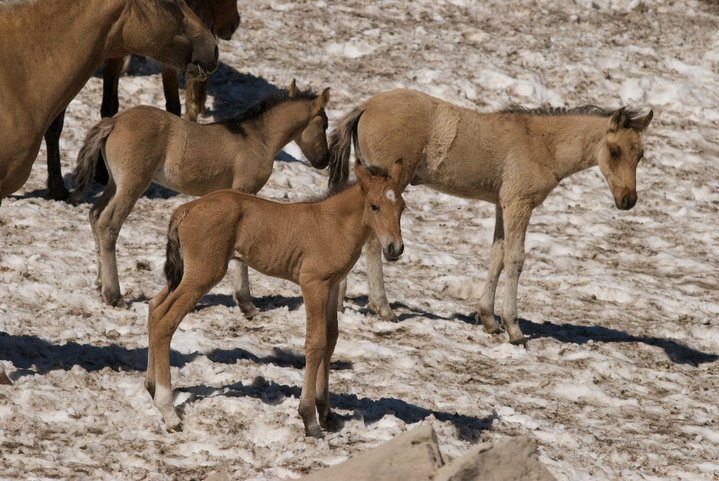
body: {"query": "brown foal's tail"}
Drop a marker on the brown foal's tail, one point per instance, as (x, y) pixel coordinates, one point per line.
(340, 144)
(87, 158)
(174, 265)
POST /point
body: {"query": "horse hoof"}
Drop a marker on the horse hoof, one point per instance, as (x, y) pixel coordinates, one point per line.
(248, 310)
(314, 432)
(384, 312)
(331, 423)
(518, 340)
(489, 323)
(58, 194)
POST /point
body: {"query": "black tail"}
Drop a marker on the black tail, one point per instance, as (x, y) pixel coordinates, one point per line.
(340, 145)
(174, 264)
(87, 158)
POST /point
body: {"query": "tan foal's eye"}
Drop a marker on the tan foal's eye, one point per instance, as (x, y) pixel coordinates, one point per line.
(613, 153)
(374, 207)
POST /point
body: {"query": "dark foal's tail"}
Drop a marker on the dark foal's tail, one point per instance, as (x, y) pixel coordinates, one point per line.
(86, 159)
(340, 144)
(174, 264)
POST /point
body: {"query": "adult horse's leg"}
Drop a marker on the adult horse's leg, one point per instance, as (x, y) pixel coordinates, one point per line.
(242, 295)
(316, 296)
(485, 312)
(375, 280)
(195, 96)
(322, 392)
(55, 186)
(516, 220)
(111, 71)
(170, 85)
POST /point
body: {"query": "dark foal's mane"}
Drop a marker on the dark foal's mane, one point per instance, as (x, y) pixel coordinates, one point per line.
(342, 186)
(629, 117)
(236, 123)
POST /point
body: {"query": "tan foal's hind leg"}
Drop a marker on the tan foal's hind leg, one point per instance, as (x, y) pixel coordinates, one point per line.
(375, 280)
(341, 292)
(516, 220)
(95, 212)
(322, 392)
(316, 296)
(242, 295)
(485, 311)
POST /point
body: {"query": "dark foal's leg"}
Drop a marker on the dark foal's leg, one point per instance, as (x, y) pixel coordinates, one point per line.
(55, 186)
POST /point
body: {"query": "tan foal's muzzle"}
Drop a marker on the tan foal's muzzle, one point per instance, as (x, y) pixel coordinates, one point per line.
(626, 199)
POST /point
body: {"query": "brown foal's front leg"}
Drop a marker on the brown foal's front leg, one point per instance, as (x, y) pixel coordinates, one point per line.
(485, 311)
(322, 392)
(316, 296)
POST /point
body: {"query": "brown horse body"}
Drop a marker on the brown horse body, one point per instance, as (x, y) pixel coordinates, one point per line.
(221, 17)
(312, 244)
(513, 159)
(144, 144)
(54, 46)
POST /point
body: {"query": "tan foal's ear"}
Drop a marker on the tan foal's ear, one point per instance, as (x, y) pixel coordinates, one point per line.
(363, 175)
(293, 89)
(322, 99)
(396, 172)
(618, 120)
(642, 124)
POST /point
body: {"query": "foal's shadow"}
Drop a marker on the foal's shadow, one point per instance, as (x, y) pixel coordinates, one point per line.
(677, 352)
(364, 409)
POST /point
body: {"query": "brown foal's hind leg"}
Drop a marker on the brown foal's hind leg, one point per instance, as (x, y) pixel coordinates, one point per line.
(316, 297)
(152, 306)
(242, 295)
(485, 312)
(322, 393)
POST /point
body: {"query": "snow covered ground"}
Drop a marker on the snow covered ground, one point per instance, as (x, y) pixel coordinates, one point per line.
(620, 378)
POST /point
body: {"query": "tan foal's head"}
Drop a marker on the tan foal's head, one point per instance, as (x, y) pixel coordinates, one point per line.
(383, 206)
(312, 140)
(621, 152)
(170, 32)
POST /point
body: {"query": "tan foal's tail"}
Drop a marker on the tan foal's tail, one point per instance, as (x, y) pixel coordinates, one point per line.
(174, 264)
(340, 144)
(87, 158)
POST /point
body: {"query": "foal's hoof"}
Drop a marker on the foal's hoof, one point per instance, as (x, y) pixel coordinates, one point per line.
(489, 323)
(248, 310)
(61, 194)
(331, 423)
(114, 300)
(519, 340)
(384, 312)
(314, 432)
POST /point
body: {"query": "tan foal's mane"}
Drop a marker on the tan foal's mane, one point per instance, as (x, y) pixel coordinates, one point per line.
(630, 116)
(236, 124)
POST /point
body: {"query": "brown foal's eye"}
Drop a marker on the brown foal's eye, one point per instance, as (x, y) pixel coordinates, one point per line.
(374, 207)
(613, 153)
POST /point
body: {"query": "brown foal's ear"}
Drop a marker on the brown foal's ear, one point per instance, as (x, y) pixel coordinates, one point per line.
(396, 172)
(293, 89)
(618, 120)
(642, 124)
(363, 175)
(321, 100)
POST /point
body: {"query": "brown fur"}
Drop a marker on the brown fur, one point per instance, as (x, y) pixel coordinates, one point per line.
(312, 244)
(144, 144)
(54, 46)
(512, 158)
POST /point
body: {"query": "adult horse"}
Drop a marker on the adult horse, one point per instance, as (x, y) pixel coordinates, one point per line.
(512, 158)
(52, 47)
(220, 16)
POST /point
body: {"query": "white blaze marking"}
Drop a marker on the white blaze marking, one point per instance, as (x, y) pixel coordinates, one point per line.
(390, 196)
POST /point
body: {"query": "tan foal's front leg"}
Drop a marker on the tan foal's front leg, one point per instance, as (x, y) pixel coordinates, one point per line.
(516, 220)
(375, 280)
(316, 296)
(485, 311)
